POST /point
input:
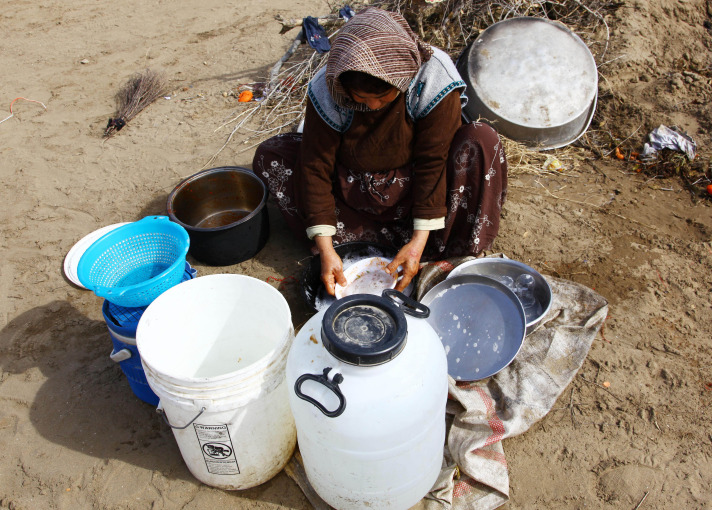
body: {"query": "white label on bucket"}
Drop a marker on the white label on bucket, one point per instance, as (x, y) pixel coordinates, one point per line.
(218, 452)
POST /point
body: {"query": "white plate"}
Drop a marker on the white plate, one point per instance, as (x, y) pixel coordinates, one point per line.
(367, 276)
(71, 261)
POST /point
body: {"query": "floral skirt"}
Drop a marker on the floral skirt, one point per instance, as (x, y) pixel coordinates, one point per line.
(476, 190)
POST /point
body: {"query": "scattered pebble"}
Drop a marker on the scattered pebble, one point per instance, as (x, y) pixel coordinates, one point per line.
(606, 384)
(84, 61)
(677, 82)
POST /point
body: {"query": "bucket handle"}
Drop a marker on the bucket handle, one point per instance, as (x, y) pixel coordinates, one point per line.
(333, 385)
(119, 356)
(160, 411)
(407, 304)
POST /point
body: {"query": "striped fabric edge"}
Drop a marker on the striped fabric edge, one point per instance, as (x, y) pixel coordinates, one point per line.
(493, 420)
(439, 97)
(490, 455)
(340, 128)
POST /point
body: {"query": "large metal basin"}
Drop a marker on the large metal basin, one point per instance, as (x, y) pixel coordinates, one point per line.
(533, 80)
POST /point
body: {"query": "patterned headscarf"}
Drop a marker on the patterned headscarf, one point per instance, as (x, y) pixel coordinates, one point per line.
(379, 43)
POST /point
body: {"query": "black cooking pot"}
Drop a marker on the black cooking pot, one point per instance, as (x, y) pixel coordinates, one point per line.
(224, 211)
(313, 290)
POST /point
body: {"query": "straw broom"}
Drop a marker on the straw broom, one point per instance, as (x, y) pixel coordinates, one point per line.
(141, 90)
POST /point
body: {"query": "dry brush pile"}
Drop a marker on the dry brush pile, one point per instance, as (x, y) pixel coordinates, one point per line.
(452, 25)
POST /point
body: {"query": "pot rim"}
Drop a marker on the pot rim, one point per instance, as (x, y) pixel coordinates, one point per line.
(494, 261)
(202, 173)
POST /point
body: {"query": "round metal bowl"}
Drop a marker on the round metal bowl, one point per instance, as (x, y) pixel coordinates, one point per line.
(224, 211)
(533, 80)
(496, 268)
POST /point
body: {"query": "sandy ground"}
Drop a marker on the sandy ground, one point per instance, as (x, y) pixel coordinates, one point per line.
(73, 435)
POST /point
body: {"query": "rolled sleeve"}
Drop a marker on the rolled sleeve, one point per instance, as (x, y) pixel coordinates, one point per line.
(325, 230)
(428, 224)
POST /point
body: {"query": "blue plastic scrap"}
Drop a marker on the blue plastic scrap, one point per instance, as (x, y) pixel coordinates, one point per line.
(346, 12)
(663, 137)
(315, 34)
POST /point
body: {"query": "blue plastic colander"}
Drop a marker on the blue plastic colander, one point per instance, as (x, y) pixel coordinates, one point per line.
(132, 265)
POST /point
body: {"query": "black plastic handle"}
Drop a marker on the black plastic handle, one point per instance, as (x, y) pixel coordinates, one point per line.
(407, 304)
(332, 385)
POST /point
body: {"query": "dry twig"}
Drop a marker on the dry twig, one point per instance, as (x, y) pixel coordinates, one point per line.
(452, 24)
(641, 501)
(282, 107)
(288, 24)
(571, 407)
(274, 74)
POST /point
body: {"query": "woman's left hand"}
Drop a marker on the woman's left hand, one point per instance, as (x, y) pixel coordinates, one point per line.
(408, 259)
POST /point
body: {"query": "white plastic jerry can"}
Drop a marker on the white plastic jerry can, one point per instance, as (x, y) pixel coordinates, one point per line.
(368, 388)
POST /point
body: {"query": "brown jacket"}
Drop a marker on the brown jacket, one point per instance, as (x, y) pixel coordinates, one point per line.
(377, 142)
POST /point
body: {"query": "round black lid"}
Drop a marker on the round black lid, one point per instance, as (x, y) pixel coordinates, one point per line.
(364, 330)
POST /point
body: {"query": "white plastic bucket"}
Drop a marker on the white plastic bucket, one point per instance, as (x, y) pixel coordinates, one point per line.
(214, 350)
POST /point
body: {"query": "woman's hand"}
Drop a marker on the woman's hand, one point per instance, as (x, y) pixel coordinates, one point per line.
(408, 258)
(332, 269)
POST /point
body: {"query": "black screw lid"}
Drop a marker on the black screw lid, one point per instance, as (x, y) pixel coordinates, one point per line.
(364, 330)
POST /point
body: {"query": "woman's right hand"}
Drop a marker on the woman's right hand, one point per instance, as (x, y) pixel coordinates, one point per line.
(332, 269)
